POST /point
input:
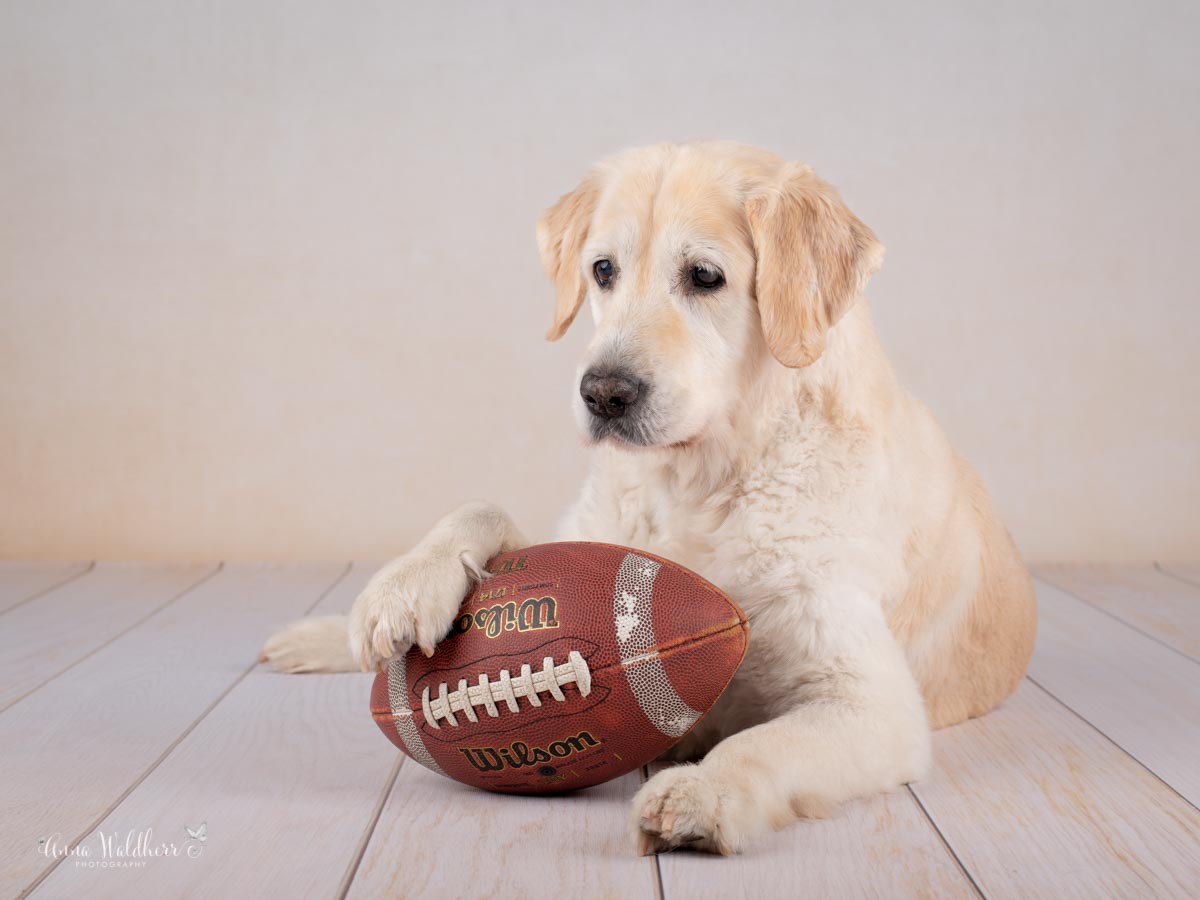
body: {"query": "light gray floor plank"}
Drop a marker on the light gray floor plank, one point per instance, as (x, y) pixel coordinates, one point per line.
(76, 746)
(1036, 803)
(42, 638)
(883, 847)
(1141, 694)
(437, 838)
(293, 763)
(1151, 601)
(21, 580)
(161, 727)
(1189, 572)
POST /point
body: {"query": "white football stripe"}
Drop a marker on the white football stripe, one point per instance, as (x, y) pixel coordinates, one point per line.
(403, 717)
(644, 670)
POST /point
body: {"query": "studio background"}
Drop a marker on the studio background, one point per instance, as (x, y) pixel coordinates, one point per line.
(269, 286)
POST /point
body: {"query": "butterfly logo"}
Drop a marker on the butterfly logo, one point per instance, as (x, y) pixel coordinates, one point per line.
(199, 833)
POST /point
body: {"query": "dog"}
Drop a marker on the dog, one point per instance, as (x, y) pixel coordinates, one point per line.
(747, 424)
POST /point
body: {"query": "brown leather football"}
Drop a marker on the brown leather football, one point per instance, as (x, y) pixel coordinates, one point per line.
(569, 665)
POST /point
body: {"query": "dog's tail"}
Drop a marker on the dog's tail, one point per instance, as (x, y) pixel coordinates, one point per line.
(315, 644)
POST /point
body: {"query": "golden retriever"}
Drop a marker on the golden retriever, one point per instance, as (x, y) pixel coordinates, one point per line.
(747, 424)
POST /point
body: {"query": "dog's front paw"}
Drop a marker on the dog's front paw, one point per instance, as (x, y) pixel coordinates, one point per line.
(685, 807)
(412, 600)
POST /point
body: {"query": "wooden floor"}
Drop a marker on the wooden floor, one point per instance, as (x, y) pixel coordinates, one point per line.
(132, 710)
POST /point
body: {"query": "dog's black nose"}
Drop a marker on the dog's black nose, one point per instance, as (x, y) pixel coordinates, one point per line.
(609, 395)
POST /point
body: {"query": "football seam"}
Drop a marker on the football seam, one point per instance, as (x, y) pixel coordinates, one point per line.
(661, 650)
(670, 647)
(663, 561)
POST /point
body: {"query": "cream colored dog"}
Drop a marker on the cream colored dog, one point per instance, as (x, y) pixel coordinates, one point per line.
(747, 424)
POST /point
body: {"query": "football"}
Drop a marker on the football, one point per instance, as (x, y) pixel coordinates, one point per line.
(570, 664)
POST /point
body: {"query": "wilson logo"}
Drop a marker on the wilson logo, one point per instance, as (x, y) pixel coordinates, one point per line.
(506, 566)
(520, 755)
(532, 614)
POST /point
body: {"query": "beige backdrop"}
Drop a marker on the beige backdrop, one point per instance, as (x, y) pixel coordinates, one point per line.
(269, 285)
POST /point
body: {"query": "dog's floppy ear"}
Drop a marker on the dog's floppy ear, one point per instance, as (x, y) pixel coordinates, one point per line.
(561, 231)
(813, 259)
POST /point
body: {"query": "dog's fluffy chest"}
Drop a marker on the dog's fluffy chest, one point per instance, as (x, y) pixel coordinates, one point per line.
(798, 517)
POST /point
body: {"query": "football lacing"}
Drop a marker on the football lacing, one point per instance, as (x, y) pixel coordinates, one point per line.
(507, 688)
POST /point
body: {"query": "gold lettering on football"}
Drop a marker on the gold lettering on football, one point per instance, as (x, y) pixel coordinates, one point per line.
(519, 755)
(531, 614)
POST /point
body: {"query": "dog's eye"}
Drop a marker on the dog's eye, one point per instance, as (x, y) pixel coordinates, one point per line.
(604, 272)
(706, 279)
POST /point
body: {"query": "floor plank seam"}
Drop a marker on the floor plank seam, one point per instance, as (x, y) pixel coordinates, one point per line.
(1160, 567)
(1116, 618)
(946, 843)
(120, 634)
(329, 590)
(46, 590)
(49, 870)
(1108, 738)
(361, 849)
(660, 891)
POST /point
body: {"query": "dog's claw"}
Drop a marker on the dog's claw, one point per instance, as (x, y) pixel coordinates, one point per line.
(645, 845)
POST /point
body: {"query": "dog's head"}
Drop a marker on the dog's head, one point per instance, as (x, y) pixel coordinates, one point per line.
(700, 263)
